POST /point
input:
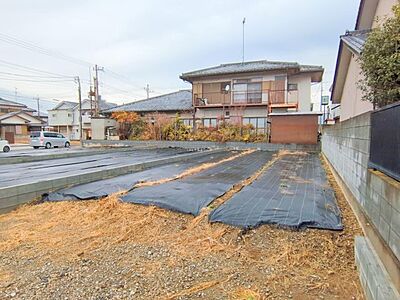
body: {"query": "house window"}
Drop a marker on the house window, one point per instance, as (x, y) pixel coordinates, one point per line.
(259, 124)
(69, 115)
(227, 113)
(292, 86)
(53, 115)
(210, 122)
(245, 91)
(18, 129)
(188, 122)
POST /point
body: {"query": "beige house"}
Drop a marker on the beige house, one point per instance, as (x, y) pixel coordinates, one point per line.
(16, 121)
(344, 89)
(247, 92)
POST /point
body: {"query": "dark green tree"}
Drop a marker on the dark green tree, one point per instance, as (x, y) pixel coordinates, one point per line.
(380, 62)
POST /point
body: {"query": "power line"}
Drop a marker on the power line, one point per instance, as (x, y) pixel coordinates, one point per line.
(32, 80)
(32, 69)
(32, 76)
(122, 78)
(35, 48)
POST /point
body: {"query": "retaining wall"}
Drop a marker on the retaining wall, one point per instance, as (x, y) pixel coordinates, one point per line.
(375, 195)
(201, 145)
(35, 157)
(13, 196)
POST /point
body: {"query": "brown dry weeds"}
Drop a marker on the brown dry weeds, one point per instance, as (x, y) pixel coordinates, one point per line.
(277, 263)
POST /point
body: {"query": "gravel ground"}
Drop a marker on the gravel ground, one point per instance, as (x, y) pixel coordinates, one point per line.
(111, 250)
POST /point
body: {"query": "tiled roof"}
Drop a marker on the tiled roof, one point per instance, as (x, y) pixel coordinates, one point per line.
(250, 66)
(20, 114)
(355, 39)
(176, 101)
(75, 105)
(8, 115)
(10, 103)
(66, 104)
(106, 105)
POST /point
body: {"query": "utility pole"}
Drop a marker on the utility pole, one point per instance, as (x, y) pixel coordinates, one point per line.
(148, 91)
(323, 116)
(38, 105)
(91, 94)
(96, 90)
(78, 81)
(244, 21)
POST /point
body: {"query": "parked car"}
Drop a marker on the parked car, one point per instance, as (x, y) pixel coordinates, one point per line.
(4, 146)
(48, 140)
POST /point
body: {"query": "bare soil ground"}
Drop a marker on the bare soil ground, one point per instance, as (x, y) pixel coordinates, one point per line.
(111, 250)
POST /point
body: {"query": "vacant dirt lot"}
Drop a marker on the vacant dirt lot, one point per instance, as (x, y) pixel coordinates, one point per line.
(112, 250)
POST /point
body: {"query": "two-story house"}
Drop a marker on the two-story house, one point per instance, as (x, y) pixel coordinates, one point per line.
(16, 121)
(247, 92)
(64, 118)
(346, 94)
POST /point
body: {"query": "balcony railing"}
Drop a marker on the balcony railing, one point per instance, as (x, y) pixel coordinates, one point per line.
(271, 97)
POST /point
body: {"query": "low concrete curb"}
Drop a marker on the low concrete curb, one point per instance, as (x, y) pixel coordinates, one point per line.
(13, 196)
(33, 158)
(205, 145)
(373, 276)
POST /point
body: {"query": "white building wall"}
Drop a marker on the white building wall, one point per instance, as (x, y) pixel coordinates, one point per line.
(61, 117)
(303, 82)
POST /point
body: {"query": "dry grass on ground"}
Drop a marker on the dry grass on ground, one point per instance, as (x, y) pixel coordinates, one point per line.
(118, 250)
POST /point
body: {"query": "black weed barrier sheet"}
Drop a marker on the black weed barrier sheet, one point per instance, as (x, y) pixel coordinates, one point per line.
(293, 192)
(103, 188)
(192, 193)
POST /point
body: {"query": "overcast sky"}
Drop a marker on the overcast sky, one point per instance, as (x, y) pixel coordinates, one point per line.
(140, 42)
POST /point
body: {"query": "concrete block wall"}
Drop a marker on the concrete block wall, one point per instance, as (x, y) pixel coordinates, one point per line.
(13, 196)
(346, 146)
(373, 275)
(201, 145)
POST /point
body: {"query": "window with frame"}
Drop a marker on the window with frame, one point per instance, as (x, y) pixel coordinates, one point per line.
(292, 86)
(259, 124)
(188, 122)
(247, 91)
(210, 122)
(18, 129)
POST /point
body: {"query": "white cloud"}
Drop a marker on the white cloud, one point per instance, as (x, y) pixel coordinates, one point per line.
(154, 41)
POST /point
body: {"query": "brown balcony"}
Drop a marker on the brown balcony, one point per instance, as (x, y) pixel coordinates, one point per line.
(283, 99)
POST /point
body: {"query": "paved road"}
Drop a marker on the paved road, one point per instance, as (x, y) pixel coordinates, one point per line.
(23, 173)
(20, 151)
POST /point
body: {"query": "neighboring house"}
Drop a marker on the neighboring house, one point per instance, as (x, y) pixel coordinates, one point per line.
(43, 116)
(247, 92)
(64, 118)
(345, 90)
(7, 106)
(171, 104)
(16, 121)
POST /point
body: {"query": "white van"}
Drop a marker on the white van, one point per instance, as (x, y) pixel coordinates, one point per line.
(48, 140)
(4, 146)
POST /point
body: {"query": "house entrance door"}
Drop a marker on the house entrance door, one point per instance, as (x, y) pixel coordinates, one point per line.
(10, 137)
